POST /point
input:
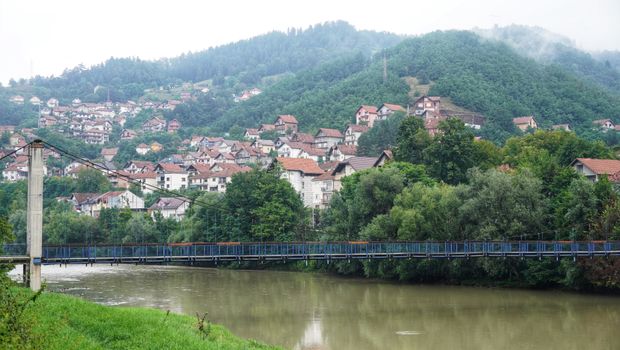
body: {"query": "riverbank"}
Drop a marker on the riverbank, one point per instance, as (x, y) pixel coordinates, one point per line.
(65, 322)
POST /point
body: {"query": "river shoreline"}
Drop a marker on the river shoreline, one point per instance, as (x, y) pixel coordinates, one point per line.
(325, 311)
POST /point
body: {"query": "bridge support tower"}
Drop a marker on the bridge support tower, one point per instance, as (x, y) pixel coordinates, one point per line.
(34, 215)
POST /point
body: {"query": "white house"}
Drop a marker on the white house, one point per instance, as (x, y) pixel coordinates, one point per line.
(142, 149)
(386, 109)
(300, 173)
(171, 176)
(113, 199)
(170, 208)
(353, 132)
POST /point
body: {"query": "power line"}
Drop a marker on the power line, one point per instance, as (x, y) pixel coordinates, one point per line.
(94, 165)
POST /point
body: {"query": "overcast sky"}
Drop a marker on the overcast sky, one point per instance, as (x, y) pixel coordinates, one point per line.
(44, 37)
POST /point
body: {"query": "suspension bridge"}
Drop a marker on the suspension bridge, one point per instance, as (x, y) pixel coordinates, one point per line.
(283, 251)
(33, 254)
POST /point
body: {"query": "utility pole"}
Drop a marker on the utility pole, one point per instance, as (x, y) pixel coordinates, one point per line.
(34, 215)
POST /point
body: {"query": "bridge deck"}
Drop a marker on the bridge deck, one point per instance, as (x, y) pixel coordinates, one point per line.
(234, 251)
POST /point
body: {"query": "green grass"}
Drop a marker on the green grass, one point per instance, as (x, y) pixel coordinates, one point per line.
(65, 322)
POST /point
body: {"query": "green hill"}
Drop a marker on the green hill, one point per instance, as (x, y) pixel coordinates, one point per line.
(480, 75)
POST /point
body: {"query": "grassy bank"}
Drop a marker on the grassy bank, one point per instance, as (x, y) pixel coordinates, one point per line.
(65, 322)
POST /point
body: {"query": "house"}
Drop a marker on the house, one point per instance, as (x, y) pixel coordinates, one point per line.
(266, 127)
(605, 124)
(78, 199)
(170, 208)
(15, 172)
(95, 137)
(524, 123)
(341, 152)
(303, 138)
(326, 138)
(147, 180)
(35, 101)
(386, 109)
(156, 147)
(565, 127)
(17, 99)
(385, 157)
(154, 124)
(52, 103)
(324, 187)
(10, 129)
(109, 153)
(128, 134)
(472, 120)
(76, 102)
(300, 173)
(289, 149)
(246, 155)
(285, 122)
(353, 132)
(216, 177)
(593, 169)
(352, 165)
(431, 122)
(143, 149)
(171, 176)
(366, 115)
(309, 152)
(265, 146)
(427, 103)
(196, 141)
(251, 134)
(173, 126)
(113, 199)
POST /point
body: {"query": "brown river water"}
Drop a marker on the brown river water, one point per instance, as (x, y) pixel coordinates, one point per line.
(318, 311)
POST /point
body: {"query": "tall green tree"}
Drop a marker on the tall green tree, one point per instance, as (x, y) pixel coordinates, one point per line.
(451, 152)
(411, 141)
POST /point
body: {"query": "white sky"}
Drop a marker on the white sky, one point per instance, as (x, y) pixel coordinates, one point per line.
(44, 37)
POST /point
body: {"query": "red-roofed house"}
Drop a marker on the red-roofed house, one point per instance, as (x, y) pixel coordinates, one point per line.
(525, 123)
(353, 132)
(326, 138)
(251, 134)
(366, 115)
(170, 207)
(341, 152)
(427, 103)
(300, 173)
(593, 169)
(173, 126)
(109, 153)
(171, 176)
(286, 122)
(386, 109)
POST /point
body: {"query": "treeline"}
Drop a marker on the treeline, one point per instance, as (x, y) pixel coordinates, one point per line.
(242, 63)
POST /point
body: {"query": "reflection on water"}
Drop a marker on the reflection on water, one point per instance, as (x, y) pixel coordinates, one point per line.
(313, 311)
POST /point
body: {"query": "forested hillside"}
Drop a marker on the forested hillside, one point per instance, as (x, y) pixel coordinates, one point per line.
(550, 48)
(483, 76)
(243, 62)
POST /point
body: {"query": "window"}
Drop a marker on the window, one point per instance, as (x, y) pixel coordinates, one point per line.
(167, 179)
(182, 179)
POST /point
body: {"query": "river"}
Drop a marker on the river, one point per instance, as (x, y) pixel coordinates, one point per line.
(317, 311)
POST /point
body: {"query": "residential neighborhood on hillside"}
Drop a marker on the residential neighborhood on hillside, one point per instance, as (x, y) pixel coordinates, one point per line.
(313, 163)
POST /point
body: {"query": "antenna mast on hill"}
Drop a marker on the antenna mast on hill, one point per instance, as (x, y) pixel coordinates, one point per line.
(384, 68)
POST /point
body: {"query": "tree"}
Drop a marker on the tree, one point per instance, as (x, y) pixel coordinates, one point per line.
(92, 181)
(497, 205)
(380, 137)
(411, 141)
(451, 152)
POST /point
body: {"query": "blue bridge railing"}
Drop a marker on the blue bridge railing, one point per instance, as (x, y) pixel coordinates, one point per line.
(231, 251)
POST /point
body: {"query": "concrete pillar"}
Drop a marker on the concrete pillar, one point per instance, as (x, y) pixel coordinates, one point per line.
(35, 213)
